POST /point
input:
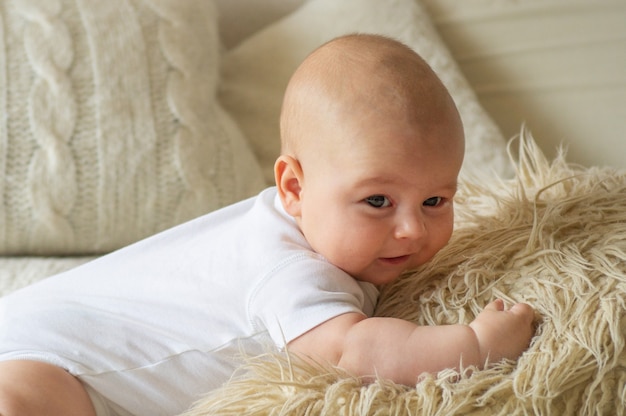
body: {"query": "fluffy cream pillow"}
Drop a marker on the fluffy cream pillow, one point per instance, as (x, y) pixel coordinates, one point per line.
(256, 72)
(111, 130)
(554, 237)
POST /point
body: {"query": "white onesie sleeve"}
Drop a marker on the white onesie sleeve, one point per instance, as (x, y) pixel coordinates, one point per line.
(304, 291)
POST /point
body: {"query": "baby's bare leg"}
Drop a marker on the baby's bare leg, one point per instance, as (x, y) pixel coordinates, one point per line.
(35, 388)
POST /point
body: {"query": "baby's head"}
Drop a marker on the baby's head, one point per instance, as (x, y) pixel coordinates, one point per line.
(372, 145)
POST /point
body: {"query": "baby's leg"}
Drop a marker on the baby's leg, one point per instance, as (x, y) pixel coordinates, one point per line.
(35, 388)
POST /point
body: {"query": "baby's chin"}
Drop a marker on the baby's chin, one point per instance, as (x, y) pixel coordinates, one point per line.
(384, 272)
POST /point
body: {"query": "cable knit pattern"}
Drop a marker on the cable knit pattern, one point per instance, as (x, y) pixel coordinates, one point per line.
(191, 87)
(52, 114)
(4, 140)
(126, 137)
(111, 130)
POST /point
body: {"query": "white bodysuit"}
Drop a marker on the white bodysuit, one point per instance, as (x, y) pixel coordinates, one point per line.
(155, 325)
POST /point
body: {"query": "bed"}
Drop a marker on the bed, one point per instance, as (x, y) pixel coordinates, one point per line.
(126, 117)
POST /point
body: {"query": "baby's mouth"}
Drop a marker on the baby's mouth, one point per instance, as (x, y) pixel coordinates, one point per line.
(395, 260)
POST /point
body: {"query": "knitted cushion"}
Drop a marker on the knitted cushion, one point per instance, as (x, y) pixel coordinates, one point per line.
(554, 237)
(110, 127)
(256, 72)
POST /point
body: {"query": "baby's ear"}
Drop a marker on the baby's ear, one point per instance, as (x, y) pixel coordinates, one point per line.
(288, 175)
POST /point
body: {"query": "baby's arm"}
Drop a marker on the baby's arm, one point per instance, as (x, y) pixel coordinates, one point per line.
(400, 350)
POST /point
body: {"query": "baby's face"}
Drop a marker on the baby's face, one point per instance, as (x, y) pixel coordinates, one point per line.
(382, 203)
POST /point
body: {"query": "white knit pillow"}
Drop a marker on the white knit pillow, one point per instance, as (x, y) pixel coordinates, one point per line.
(256, 72)
(111, 130)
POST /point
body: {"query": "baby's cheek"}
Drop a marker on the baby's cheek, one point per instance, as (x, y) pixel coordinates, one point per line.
(443, 233)
(429, 252)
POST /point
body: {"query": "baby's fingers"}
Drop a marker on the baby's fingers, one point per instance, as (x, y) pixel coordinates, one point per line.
(496, 305)
(523, 310)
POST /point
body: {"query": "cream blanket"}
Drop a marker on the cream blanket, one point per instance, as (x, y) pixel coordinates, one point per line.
(554, 237)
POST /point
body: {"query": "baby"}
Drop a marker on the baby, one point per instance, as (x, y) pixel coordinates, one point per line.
(372, 145)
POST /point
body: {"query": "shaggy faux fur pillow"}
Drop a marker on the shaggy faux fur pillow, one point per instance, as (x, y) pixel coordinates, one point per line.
(554, 237)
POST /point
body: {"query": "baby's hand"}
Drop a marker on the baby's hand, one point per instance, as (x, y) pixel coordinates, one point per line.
(503, 333)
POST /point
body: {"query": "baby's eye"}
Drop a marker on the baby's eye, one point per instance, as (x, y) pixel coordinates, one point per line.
(433, 202)
(378, 201)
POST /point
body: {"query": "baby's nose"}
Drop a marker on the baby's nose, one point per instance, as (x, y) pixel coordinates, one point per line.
(410, 227)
